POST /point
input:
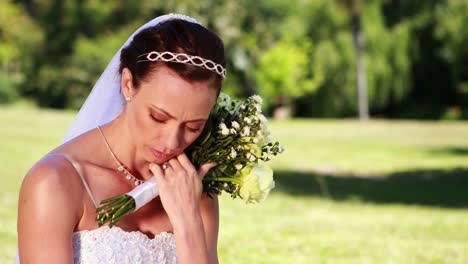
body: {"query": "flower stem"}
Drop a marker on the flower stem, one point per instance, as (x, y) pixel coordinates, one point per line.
(225, 179)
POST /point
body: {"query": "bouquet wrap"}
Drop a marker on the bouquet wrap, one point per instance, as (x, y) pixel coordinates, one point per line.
(144, 193)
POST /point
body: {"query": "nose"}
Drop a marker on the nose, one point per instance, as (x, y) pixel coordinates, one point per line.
(174, 139)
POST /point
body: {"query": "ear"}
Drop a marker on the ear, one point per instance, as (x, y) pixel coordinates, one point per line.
(126, 83)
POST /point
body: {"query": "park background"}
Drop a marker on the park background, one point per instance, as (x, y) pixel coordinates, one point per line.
(369, 98)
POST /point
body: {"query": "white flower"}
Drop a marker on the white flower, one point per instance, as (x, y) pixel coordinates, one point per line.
(262, 119)
(257, 99)
(280, 149)
(247, 120)
(224, 129)
(245, 131)
(233, 154)
(258, 108)
(250, 157)
(256, 140)
(235, 125)
(257, 181)
(238, 166)
(224, 97)
(233, 131)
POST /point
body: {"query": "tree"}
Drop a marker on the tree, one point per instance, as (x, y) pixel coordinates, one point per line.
(19, 35)
(355, 9)
(285, 72)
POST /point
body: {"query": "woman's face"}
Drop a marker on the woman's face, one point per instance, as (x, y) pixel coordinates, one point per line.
(167, 113)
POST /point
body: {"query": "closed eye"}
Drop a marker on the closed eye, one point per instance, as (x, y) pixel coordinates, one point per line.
(194, 130)
(157, 120)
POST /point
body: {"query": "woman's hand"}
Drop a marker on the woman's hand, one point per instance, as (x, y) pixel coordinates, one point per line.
(180, 188)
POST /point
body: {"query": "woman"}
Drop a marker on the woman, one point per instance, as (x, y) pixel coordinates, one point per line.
(141, 115)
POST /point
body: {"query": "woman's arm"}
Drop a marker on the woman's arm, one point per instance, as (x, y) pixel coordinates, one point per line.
(49, 207)
(209, 210)
(180, 189)
(202, 227)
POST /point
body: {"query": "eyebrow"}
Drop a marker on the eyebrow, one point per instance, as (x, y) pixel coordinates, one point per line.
(171, 116)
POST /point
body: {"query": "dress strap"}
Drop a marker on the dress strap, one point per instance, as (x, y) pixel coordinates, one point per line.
(78, 170)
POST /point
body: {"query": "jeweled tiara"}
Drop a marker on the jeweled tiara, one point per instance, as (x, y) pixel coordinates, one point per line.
(168, 56)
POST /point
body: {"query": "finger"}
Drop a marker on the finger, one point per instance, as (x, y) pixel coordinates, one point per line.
(186, 163)
(175, 165)
(203, 170)
(156, 170)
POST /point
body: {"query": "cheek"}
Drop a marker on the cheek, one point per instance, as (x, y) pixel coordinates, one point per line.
(189, 138)
(142, 126)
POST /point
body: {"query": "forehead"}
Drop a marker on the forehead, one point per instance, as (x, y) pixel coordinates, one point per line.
(178, 96)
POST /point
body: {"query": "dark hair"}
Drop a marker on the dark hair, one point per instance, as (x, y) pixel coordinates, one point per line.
(178, 36)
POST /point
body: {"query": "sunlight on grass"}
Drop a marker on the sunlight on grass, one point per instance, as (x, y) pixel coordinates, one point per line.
(372, 147)
(394, 193)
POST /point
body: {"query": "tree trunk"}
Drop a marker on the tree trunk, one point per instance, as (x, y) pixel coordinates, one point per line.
(358, 38)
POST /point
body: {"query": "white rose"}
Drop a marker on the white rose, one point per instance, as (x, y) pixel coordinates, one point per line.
(257, 181)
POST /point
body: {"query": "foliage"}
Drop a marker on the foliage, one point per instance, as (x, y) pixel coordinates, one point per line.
(414, 50)
(285, 71)
(451, 30)
(19, 35)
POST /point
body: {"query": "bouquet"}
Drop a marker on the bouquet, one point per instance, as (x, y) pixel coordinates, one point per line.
(236, 137)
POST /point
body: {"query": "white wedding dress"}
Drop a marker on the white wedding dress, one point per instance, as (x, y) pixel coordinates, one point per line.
(106, 245)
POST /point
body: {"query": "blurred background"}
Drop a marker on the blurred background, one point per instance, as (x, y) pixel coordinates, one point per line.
(369, 98)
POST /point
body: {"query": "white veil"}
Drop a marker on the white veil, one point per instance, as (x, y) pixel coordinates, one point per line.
(105, 102)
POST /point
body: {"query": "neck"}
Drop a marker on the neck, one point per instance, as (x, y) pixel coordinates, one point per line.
(124, 148)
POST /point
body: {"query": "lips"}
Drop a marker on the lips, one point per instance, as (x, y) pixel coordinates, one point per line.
(160, 155)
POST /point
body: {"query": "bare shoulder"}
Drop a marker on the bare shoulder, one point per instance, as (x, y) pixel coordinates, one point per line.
(49, 208)
(52, 180)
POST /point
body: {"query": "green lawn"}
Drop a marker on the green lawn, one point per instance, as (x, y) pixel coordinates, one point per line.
(347, 192)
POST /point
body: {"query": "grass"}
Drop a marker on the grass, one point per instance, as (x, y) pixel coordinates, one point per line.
(347, 192)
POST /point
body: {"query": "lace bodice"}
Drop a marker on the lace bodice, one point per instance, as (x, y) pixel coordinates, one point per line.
(116, 246)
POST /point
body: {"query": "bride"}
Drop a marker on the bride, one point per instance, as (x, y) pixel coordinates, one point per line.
(151, 103)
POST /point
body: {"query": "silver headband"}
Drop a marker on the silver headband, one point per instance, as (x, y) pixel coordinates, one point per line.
(168, 56)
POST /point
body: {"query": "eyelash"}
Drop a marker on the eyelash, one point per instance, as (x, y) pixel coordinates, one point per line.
(157, 120)
(193, 130)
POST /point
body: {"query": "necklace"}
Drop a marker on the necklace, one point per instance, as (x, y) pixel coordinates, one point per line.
(121, 167)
